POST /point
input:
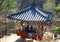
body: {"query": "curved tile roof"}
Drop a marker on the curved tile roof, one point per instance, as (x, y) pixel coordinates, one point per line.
(32, 14)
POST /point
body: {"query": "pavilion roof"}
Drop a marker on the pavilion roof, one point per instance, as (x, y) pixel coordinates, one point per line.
(32, 13)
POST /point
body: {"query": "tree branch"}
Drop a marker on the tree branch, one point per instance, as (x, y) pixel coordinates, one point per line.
(1, 1)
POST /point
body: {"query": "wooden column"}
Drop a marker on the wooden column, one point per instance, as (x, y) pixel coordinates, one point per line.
(38, 31)
(38, 27)
(21, 24)
(28, 24)
(42, 25)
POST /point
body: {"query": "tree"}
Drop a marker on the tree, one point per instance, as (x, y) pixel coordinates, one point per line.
(49, 5)
(8, 5)
(57, 8)
(57, 29)
(57, 2)
(1, 1)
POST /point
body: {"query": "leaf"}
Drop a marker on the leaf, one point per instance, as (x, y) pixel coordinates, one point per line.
(57, 29)
(8, 3)
(57, 8)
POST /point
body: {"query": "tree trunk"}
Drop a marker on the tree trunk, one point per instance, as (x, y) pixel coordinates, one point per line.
(1, 1)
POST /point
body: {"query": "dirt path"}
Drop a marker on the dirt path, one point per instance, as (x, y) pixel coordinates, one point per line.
(11, 38)
(15, 38)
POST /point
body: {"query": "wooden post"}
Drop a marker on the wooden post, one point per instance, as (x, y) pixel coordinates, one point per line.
(28, 24)
(21, 24)
(38, 27)
(42, 26)
(38, 30)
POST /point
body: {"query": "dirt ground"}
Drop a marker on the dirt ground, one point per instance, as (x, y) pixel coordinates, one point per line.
(14, 38)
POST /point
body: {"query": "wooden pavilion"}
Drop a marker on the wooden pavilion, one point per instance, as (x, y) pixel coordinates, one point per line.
(31, 14)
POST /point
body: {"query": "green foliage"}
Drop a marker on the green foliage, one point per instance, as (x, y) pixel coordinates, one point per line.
(49, 5)
(8, 3)
(57, 29)
(8, 6)
(57, 8)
